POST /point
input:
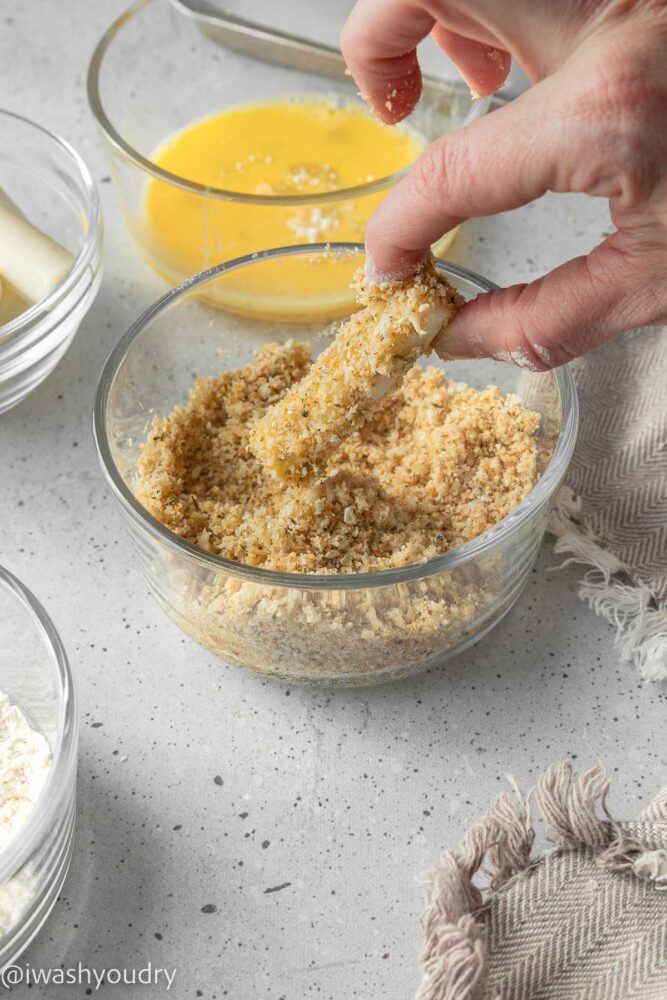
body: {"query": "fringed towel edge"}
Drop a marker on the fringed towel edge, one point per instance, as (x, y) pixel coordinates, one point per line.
(632, 608)
(454, 956)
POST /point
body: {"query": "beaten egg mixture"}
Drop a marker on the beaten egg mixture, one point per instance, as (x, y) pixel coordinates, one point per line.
(307, 147)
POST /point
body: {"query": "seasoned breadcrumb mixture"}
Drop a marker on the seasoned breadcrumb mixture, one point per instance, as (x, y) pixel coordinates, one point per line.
(370, 354)
(434, 466)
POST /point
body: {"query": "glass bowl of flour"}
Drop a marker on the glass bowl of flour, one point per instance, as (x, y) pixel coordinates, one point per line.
(38, 744)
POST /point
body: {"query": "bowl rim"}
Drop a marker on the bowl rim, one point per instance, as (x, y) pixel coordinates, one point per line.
(25, 323)
(476, 547)
(478, 108)
(63, 754)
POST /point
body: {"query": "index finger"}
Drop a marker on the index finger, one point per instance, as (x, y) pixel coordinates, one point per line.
(504, 160)
(379, 42)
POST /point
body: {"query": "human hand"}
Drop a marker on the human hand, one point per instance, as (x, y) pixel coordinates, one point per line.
(594, 121)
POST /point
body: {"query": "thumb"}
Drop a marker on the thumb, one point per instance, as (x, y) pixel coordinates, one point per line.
(569, 312)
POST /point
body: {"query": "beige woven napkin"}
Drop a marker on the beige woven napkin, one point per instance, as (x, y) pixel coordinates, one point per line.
(613, 518)
(585, 921)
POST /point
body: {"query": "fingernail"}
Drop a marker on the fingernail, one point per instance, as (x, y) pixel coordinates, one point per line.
(370, 272)
(451, 343)
(374, 276)
(455, 344)
(379, 276)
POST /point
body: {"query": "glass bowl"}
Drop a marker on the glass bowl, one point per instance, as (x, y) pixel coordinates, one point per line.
(35, 676)
(315, 628)
(43, 174)
(152, 74)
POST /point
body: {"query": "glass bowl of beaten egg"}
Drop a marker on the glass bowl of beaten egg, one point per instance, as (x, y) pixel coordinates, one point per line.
(342, 629)
(215, 155)
(35, 680)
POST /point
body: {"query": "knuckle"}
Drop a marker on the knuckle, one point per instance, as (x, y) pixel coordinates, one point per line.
(618, 114)
(618, 92)
(626, 94)
(357, 44)
(438, 169)
(349, 41)
(427, 175)
(634, 266)
(527, 342)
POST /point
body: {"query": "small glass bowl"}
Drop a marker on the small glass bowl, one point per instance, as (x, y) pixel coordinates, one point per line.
(36, 677)
(152, 74)
(316, 628)
(43, 174)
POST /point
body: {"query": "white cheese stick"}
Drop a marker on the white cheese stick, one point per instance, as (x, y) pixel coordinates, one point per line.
(371, 353)
(11, 303)
(29, 259)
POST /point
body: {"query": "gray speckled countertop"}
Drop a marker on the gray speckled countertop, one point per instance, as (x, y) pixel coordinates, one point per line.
(203, 788)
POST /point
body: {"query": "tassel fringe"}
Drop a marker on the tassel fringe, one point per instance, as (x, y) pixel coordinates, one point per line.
(641, 625)
(453, 959)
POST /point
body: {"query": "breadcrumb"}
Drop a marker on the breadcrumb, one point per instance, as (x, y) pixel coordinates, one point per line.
(434, 466)
(372, 351)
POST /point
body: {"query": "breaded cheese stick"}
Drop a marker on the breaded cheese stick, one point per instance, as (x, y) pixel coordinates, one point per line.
(369, 355)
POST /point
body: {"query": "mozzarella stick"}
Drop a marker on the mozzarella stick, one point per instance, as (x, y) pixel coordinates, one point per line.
(370, 354)
(29, 259)
(11, 303)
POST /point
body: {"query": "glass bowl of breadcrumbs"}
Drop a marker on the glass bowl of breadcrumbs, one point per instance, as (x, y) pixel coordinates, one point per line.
(416, 539)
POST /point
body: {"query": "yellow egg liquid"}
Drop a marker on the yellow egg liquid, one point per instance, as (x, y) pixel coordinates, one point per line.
(306, 147)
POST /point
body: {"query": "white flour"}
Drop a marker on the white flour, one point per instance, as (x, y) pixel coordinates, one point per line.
(25, 759)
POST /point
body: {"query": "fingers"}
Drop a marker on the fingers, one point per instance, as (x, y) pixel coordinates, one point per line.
(499, 162)
(483, 67)
(565, 314)
(379, 41)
